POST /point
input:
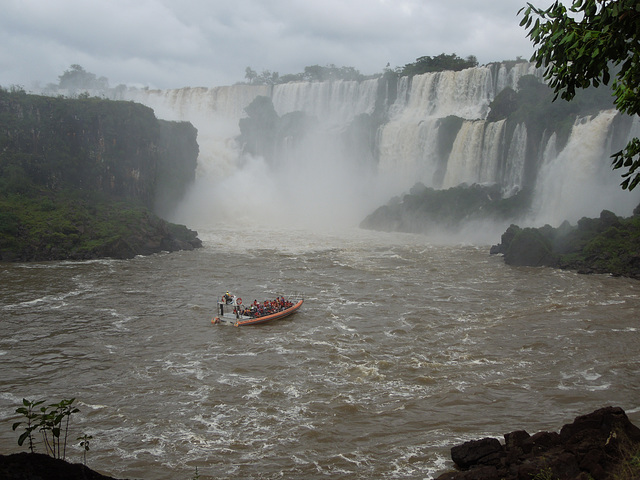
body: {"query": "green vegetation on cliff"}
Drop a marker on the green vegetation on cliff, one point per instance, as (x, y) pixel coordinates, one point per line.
(78, 178)
(439, 63)
(78, 226)
(318, 73)
(608, 244)
(533, 105)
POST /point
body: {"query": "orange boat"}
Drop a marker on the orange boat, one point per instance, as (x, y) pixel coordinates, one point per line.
(231, 310)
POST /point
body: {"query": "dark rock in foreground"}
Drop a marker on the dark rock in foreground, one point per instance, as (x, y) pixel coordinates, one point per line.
(602, 445)
(37, 466)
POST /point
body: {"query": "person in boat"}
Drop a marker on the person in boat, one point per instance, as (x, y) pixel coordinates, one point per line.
(227, 297)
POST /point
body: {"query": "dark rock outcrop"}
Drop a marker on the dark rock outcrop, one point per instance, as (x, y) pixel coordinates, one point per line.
(595, 446)
(152, 235)
(84, 178)
(425, 210)
(37, 466)
(608, 244)
(119, 149)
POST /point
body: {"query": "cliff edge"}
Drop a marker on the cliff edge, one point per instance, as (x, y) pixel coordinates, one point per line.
(86, 178)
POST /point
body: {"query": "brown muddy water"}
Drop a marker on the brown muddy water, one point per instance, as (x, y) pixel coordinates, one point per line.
(402, 349)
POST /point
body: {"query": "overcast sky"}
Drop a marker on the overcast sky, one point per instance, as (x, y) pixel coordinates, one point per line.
(176, 43)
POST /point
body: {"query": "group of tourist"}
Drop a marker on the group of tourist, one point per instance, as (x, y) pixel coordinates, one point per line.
(256, 309)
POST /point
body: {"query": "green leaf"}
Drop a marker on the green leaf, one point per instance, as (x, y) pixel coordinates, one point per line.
(23, 437)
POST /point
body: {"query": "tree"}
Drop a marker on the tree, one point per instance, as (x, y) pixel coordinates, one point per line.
(585, 45)
(440, 63)
(250, 74)
(77, 78)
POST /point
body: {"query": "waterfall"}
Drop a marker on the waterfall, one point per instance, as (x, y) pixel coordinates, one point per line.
(408, 153)
(411, 136)
(578, 181)
(509, 77)
(513, 178)
(466, 157)
(466, 94)
(215, 112)
(198, 105)
(335, 103)
(435, 132)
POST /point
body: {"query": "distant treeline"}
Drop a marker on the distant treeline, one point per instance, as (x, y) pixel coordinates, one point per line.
(313, 73)
(317, 73)
(77, 82)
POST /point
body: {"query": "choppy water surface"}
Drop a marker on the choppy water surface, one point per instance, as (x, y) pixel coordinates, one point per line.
(402, 349)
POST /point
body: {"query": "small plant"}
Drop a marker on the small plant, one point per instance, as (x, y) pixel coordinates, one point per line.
(85, 447)
(196, 476)
(53, 422)
(544, 474)
(629, 466)
(28, 410)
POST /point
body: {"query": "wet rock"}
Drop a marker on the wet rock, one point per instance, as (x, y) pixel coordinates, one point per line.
(37, 466)
(608, 244)
(593, 446)
(487, 451)
(529, 247)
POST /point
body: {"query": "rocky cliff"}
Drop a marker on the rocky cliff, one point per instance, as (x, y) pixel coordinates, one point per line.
(608, 244)
(79, 178)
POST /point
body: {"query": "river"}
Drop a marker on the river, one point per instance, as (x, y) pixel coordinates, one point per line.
(403, 348)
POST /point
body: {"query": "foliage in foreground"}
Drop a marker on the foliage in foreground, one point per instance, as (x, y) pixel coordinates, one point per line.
(582, 46)
(52, 422)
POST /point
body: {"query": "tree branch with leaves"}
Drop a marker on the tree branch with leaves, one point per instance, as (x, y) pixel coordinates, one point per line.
(585, 45)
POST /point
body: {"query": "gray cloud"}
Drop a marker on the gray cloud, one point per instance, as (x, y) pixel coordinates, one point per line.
(170, 44)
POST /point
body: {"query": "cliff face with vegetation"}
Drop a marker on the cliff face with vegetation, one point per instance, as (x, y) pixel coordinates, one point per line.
(609, 244)
(79, 178)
